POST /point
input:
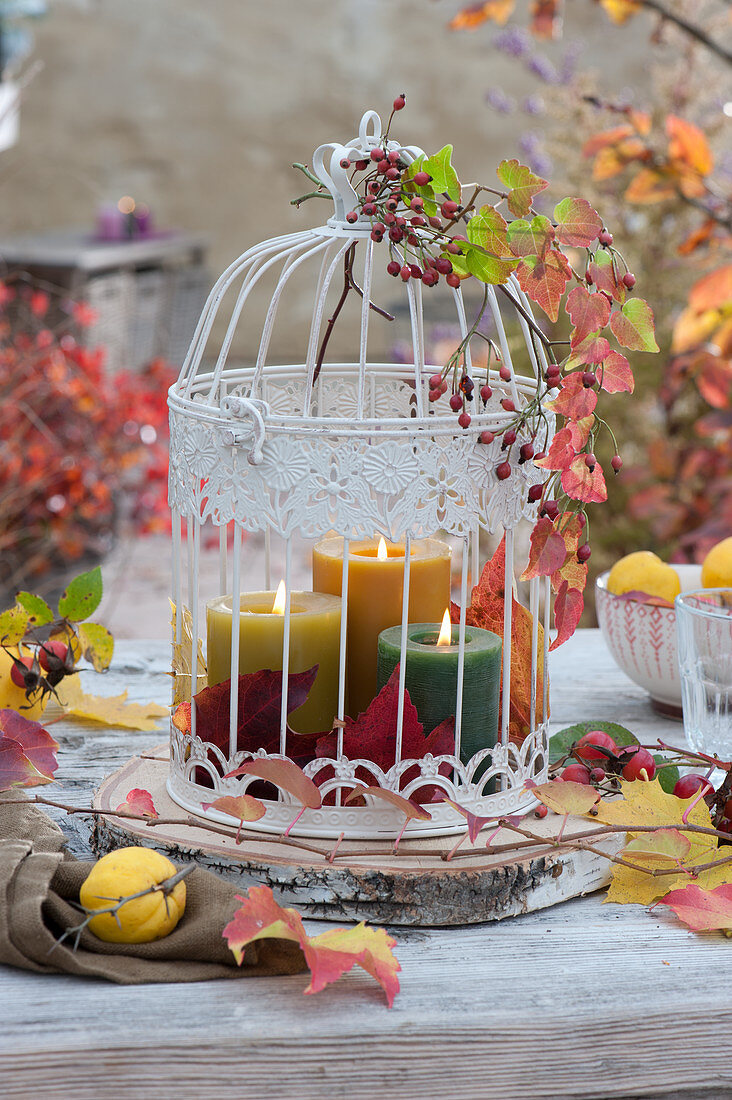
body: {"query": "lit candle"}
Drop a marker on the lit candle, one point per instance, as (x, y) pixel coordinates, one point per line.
(315, 625)
(432, 675)
(375, 593)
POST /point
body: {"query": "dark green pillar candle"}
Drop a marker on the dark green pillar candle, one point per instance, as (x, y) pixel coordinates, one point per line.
(431, 679)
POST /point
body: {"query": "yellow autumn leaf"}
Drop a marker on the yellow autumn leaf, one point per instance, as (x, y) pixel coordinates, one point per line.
(111, 710)
(181, 663)
(630, 887)
(648, 804)
(621, 10)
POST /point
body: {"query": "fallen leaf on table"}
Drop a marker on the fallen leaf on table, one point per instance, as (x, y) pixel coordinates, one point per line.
(328, 955)
(111, 710)
(139, 801)
(702, 910)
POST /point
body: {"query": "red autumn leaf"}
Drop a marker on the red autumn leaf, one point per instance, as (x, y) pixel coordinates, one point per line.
(591, 351)
(545, 280)
(405, 805)
(284, 774)
(260, 702)
(372, 736)
(577, 224)
(244, 807)
(606, 276)
(713, 291)
(587, 312)
(561, 452)
(568, 607)
(580, 430)
(182, 717)
(522, 186)
(633, 326)
(652, 185)
(702, 910)
(139, 801)
(714, 380)
(688, 144)
(584, 484)
(486, 610)
(616, 375)
(547, 550)
(566, 797)
(475, 823)
(546, 18)
(34, 740)
(328, 955)
(16, 769)
(573, 571)
(530, 238)
(574, 400)
(604, 139)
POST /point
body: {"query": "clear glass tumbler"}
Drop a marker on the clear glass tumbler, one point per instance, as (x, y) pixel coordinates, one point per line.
(704, 628)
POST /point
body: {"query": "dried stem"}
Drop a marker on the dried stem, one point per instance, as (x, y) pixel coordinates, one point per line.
(347, 266)
(688, 28)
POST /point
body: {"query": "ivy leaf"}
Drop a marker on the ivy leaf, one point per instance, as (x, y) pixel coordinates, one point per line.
(328, 955)
(545, 280)
(35, 743)
(591, 351)
(39, 613)
(111, 710)
(633, 326)
(284, 774)
(530, 238)
(578, 224)
(444, 177)
(488, 269)
(567, 797)
(489, 230)
(616, 375)
(568, 607)
(523, 185)
(13, 625)
(561, 742)
(547, 551)
(605, 276)
(574, 400)
(584, 484)
(97, 645)
(702, 910)
(139, 801)
(486, 610)
(561, 453)
(587, 312)
(82, 596)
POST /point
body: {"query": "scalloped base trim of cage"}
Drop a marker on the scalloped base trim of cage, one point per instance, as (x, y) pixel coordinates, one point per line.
(363, 882)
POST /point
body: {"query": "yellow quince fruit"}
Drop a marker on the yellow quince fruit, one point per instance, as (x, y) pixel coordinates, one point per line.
(717, 566)
(644, 571)
(122, 873)
(14, 697)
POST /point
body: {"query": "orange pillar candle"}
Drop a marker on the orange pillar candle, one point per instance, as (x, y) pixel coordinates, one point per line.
(375, 593)
(315, 626)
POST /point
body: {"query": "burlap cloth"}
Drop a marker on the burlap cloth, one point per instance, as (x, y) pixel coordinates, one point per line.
(38, 880)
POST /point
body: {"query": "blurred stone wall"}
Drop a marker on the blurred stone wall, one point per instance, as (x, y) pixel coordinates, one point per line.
(198, 108)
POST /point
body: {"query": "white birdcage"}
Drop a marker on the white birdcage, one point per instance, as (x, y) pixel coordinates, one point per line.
(348, 451)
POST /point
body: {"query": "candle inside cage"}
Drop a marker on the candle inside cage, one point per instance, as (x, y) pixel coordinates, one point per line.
(375, 597)
(315, 624)
(432, 678)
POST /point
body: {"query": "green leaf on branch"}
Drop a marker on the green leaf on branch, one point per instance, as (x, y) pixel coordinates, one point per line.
(425, 191)
(530, 238)
(39, 613)
(578, 225)
(13, 625)
(444, 177)
(561, 742)
(523, 185)
(633, 326)
(667, 777)
(82, 596)
(489, 230)
(488, 269)
(97, 645)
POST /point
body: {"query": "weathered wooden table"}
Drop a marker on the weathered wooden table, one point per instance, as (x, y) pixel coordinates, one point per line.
(582, 1000)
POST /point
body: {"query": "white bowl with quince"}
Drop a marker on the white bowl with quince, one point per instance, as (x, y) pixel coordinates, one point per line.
(635, 610)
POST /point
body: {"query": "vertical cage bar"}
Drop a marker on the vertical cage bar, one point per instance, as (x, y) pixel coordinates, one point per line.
(414, 296)
(403, 647)
(507, 616)
(461, 647)
(268, 560)
(223, 540)
(342, 656)
(286, 645)
(177, 575)
(368, 267)
(235, 629)
(193, 581)
(475, 560)
(534, 612)
(547, 620)
(189, 543)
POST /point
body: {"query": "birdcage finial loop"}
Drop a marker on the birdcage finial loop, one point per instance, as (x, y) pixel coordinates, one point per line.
(254, 410)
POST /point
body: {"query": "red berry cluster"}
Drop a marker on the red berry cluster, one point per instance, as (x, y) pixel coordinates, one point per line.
(44, 669)
(597, 756)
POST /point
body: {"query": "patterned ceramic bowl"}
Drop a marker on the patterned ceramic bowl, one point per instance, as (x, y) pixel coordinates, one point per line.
(642, 640)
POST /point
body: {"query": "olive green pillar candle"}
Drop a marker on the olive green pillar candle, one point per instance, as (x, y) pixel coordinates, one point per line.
(431, 679)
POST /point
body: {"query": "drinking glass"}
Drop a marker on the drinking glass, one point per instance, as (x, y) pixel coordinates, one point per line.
(704, 628)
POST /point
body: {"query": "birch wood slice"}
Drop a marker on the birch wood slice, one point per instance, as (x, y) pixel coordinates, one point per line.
(365, 881)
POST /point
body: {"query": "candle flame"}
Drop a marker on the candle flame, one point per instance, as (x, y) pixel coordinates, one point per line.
(278, 607)
(445, 635)
(381, 553)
